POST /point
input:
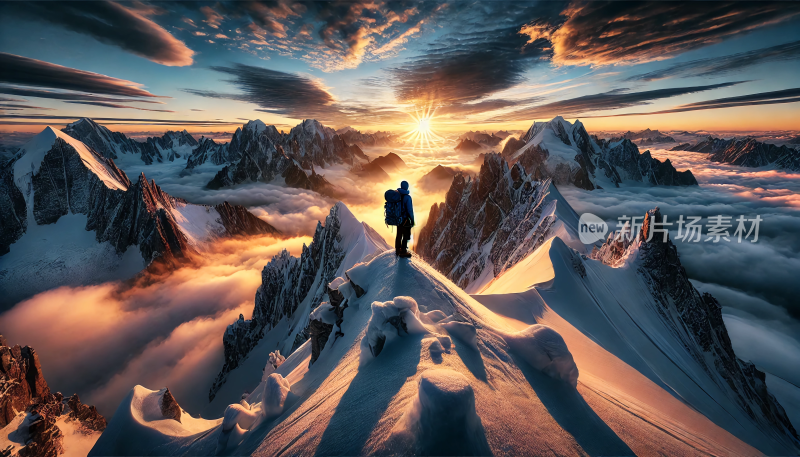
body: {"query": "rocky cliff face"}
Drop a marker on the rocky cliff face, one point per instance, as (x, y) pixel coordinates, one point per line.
(64, 176)
(261, 153)
(486, 224)
(29, 412)
(697, 319)
(566, 153)
(286, 282)
(114, 145)
(209, 151)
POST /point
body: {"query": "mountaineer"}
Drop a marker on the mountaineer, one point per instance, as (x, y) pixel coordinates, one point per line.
(399, 211)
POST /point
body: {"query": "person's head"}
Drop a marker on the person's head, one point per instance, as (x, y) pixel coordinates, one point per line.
(404, 185)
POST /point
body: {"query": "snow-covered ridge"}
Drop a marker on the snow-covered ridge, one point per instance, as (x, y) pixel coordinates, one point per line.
(419, 367)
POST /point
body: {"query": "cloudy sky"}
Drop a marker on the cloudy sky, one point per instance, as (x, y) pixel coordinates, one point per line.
(207, 66)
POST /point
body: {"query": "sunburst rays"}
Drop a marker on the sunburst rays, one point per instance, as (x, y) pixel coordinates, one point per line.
(422, 137)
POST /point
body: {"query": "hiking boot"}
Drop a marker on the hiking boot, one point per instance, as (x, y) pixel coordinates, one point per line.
(404, 254)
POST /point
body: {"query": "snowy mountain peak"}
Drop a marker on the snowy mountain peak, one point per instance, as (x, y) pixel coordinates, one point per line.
(32, 153)
(567, 153)
(257, 125)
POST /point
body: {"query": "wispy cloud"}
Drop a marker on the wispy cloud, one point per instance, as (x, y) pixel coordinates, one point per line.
(115, 105)
(716, 66)
(113, 24)
(615, 99)
(25, 71)
(602, 33)
(761, 98)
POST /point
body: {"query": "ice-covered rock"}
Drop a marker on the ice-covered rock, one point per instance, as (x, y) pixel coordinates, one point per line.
(390, 320)
(441, 419)
(544, 349)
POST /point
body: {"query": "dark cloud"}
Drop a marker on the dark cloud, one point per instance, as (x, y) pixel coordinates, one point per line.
(5, 99)
(762, 98)
(14, 105)
(114, 105)
(31, 72)
(294, 96)
(109, 120)
(69, 95)
(615, 99)
(601, 33)
(283, 93)
(113, 24)
(470, 65)
(465, 109)
(715, 66)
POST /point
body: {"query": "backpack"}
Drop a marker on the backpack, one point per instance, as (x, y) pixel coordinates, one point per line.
(393, 208)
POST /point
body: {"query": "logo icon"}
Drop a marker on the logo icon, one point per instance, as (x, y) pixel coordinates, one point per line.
(591, 228)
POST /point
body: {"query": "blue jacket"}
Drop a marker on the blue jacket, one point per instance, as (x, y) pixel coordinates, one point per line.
(406, 205)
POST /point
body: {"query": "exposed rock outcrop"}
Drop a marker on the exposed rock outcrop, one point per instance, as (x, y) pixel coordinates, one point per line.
(24, 392)
(169, 406)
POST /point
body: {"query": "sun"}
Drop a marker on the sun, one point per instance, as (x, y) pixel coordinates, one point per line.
(423, 136)
(424, 126)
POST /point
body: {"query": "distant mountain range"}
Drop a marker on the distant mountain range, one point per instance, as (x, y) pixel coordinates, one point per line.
(645, 137)
(746, 152)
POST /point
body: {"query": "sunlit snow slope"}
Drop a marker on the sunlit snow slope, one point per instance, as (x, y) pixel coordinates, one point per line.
(440, 372)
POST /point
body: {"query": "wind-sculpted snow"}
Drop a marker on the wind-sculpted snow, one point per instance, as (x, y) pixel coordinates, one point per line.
(428, 392)
(441, 419)
(545, 350)
(290, 284)
(566, 153)
(390, 320)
